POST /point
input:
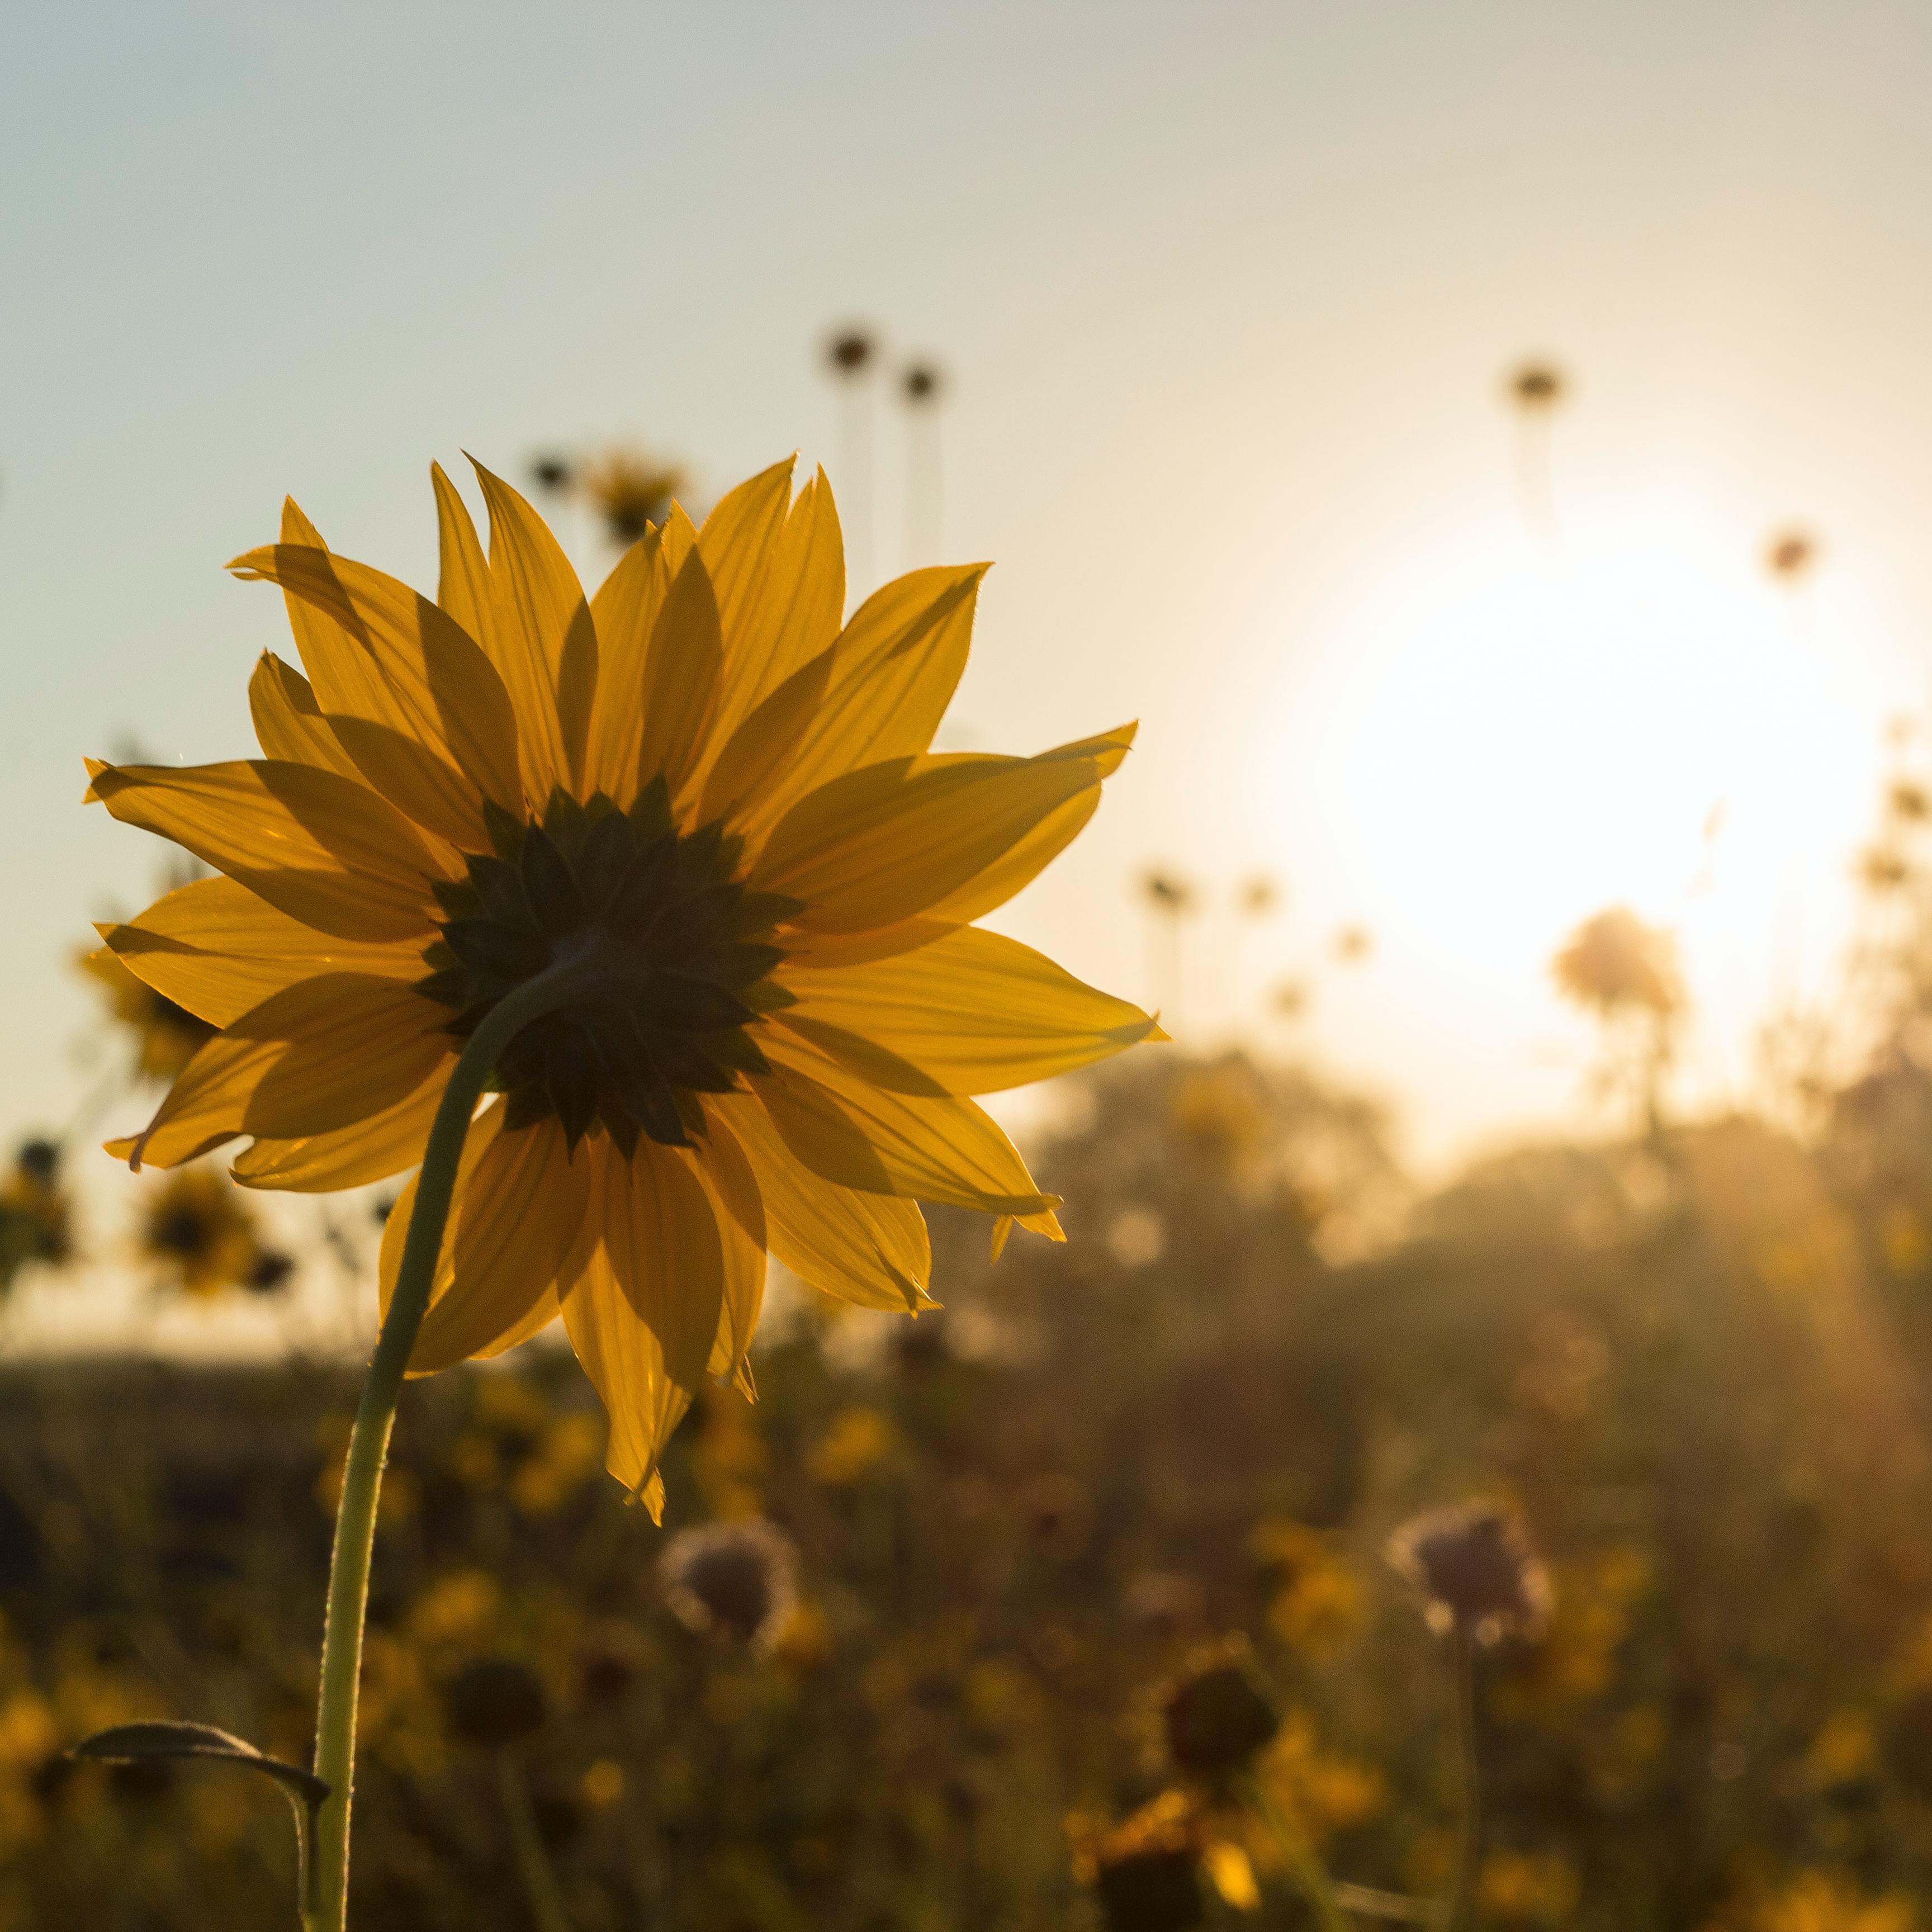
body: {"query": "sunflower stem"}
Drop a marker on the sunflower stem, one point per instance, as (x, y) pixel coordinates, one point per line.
(533, 1865)
(1310, 1875)
(1469, 1837)
(326, 1907)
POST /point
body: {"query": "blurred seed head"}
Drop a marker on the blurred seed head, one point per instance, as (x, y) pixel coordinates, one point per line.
(610, 1660)
(1167, 892)
(631, 491)
(1057, 1515)
(553, 472)
(849, 351)
(1166, 1601)
(37, 1160)
(271, 1272)
(1536, 386)
(1145, 1871)
(1260, 896)
(736, 1581)
(1353, 944)
(1904, 800)
(199, 1232)
(1474, 1566)
(1883, 870)
(495, 1701)
(1216, 1716)
(921, 383)
(1614, 961)
(1791, 555)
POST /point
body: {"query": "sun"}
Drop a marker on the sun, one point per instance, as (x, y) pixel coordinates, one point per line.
(1520, 730)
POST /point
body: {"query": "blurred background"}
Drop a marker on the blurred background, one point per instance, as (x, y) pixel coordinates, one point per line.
(1486, 447)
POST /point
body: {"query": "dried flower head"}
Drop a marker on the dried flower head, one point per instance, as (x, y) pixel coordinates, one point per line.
(1790, 555)
(1216, 1716)
(1536, 385)
(735, 1580)
(1145, 1871)
(1167, 892)
(199, 1233)
(921, 383)
(1614, 961)
(1475, 1570)
(495, 1701)
(553, 472)
(631, 491)
(850, 350)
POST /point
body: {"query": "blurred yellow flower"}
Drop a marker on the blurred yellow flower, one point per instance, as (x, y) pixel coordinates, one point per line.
(1538, 1891)
(1844, 1751)
(716, 804)
(1320, 1792)
(629, 491)
(602, 1783)
(198, 1232)
(858, 1440)
(167, 1036)
(1614, 961)
(36, 1216)
(1317, 1607)
(1814, 1902)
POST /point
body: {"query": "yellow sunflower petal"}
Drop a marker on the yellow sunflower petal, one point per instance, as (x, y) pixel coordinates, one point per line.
(288, 723)
(544, 632)
(206, 1105)
(681, 682)
(848, 1131)
(795, 614)
(971, 1013)
(373, 1149)
(740, 1210)
(463, 571)
(396, 662)
(876, 694)
(517, 1225)
(322, 848)
(868, 1249)
(643, 1314)
(736, 542)
(351, 1045)
(216, 950)
(625, 610)
(892, 841)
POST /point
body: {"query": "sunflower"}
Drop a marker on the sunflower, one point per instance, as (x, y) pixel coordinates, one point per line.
(198, 1232)
(166, 1036)
(700, 786)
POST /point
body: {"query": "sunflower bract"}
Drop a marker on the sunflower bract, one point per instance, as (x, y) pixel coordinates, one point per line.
(708, 783)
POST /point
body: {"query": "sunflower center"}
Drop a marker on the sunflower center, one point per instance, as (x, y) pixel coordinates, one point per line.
(181, 1230)
(678, 951)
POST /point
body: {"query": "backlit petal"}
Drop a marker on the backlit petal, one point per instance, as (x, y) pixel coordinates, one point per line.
(396, 662)
(371, 1149)
(848, 1131)
(643, 1314)
(352, 1045)
(206, 1105)
(216, 949)
(519, 1222)
(868, 1249)
(971, 1013)
(740, 1209)
(877, 693)
(288, 723)
(543, 631)
(893, 841)
(625, 610)
(682, 676)
(319, 846)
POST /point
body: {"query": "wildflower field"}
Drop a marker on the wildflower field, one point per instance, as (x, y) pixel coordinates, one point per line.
(1692, 1369)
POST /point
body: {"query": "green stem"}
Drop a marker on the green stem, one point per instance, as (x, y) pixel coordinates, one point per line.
(1468, 1838)
(533, 1865)
(1309, 1872)
(326, 1908)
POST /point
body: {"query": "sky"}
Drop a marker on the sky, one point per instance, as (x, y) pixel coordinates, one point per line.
(1223, 294)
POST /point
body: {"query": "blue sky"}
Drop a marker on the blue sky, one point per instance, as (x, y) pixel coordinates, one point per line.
(1223, 292)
